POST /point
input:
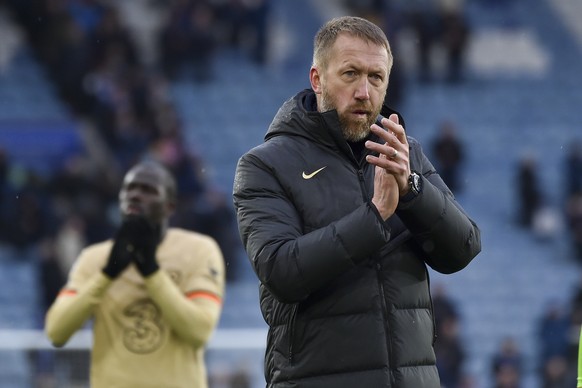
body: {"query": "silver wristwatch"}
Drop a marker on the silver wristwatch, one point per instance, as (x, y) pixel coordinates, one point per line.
(415, 187)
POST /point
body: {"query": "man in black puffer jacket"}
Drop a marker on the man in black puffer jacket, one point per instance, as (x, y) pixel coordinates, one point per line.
(339, 218)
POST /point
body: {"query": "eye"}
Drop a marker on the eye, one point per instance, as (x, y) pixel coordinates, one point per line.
(377, 77)
(150, 189)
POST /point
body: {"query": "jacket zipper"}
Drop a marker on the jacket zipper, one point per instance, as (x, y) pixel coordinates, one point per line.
(363, 184)
(381, 287)
(434, 331)
(291, 332)
(385, 316)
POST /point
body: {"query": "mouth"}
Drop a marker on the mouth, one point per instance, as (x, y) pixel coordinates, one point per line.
(361, 114)
(133, 209)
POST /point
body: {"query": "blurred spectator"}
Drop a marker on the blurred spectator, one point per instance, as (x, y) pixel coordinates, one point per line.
(553, 332)
(574, 222)
(423, 18)
(575, 316)
(573, 169)
(69, 241)
(555, 373)
(449, 352)
(449, 155)
(109, 33)
(25, 217)
(573, 195)
(507, 365)
(443, 306)
(529, 196)
(4, 183)
(188, 39)
(455, 37)
(245, 22)
(72, 61)
(448, 346)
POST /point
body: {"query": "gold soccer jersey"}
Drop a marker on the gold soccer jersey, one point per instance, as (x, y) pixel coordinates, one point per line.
(146, 332)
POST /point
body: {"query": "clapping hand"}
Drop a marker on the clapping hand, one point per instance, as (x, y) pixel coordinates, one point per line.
(145, 239)
(136, 240)
(392, 165)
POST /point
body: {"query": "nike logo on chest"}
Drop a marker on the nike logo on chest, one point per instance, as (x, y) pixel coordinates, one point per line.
(309, 176)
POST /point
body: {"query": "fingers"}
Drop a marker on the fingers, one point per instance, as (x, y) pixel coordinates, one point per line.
(392, 124)
(394, 118)
(392, 133)
(391, 151)
(389, 159)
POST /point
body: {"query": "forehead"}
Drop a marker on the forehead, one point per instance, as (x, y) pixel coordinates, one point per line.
(348, 49)
(145, 176)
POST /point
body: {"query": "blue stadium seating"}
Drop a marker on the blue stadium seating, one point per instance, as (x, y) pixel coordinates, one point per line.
(35, 129)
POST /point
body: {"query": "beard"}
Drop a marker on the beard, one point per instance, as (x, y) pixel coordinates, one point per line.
(352, 130)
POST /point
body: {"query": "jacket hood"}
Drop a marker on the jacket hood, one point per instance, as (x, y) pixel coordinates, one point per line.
(296, 118)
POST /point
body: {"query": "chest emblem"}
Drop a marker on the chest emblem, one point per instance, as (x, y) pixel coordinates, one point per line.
(309, 176)
(144, 330)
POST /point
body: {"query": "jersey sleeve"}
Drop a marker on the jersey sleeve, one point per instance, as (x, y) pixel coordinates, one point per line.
(208, 276)
(74, 305)
(192, 309)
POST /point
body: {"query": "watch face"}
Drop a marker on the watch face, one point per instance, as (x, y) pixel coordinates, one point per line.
(415, 182)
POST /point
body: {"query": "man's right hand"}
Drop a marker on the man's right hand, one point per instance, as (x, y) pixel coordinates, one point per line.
(388, 164)
(123, 249)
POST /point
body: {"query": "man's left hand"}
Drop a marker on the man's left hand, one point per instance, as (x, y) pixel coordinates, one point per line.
(146, 238)
(394, 153)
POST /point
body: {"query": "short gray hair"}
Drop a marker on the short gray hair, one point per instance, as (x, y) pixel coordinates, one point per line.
(351, 25)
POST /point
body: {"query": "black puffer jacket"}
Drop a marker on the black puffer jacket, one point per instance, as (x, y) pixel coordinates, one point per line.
(345, 294)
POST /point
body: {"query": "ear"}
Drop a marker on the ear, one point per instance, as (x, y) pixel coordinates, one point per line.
(315, 79)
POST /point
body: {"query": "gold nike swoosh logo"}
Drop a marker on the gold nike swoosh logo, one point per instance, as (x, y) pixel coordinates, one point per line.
(309, 176)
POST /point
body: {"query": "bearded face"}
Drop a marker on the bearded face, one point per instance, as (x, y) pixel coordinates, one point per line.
(353, 128)
(353, 82)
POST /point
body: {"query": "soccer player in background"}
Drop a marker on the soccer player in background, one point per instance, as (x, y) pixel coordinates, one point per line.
(154, 293)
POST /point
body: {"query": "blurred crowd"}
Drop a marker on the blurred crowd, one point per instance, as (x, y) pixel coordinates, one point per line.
(437, 25)
(557, 332)
(124, 106)
(537, 212)
(90, 54)
(573, 195)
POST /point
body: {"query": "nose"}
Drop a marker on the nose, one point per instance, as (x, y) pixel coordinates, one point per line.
(362, 91)
(134, 194)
